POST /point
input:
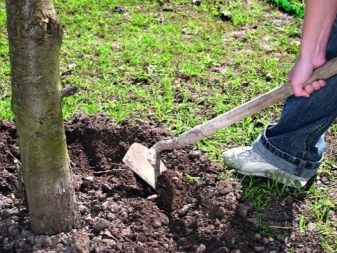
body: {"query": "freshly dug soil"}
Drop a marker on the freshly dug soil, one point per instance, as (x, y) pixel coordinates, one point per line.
(118, 212)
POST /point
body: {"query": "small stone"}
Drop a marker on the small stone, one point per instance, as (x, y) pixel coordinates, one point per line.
(243, 210)
(15, 218)
(195, 154)
(9, 222)
(184, 209)
(107, 233)
(89, 220)
(269, 77)
(13, 230)
(114, 207)
(156, 224)
(106, 188)
(221, 212)
(101, 224)
(89, 178)
(110, 216)
(161, 19)
(201, 249)
(254, 221)
(105, 205)
(265, 241)
(59, 247)
(259, 249)
(119, 9)
(217, 223)
(225, 16)
(81, 243)
(99, 195)
(3, 225)
(25, 233)
(311, 227)
(152, 197)
(44, 240)
(125, 232)
(196, 2)
(83, 209)
(257, 236)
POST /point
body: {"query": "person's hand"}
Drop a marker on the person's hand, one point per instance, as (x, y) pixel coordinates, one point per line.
(300, 73)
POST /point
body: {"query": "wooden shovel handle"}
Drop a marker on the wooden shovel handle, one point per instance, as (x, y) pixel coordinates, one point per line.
(259, 103)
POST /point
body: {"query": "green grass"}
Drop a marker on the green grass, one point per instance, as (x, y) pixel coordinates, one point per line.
(181, 65)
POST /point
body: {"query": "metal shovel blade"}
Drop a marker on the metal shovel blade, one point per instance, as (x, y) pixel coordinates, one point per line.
(136, 159)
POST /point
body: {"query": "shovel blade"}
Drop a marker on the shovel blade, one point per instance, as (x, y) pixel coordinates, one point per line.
(137, 159)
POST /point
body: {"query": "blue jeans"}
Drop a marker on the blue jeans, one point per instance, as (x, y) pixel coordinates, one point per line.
(296, 143)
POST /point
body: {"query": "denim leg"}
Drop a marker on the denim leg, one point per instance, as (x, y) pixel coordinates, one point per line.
(296, 143)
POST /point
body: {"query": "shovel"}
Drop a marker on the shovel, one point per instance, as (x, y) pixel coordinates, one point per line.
(146, 162)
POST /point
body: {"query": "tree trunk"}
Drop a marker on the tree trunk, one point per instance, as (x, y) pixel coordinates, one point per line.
(35, 36)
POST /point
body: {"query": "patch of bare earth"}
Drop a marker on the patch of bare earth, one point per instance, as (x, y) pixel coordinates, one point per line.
(118, 212)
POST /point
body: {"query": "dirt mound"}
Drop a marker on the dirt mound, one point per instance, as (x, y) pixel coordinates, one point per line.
(121, 213)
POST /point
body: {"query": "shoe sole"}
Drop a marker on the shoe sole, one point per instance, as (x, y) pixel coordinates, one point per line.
(282, 178)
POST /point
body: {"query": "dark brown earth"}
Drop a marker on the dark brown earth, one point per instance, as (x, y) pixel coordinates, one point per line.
(118, 212)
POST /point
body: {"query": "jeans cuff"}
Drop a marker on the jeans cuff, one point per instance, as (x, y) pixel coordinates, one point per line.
(283, 160)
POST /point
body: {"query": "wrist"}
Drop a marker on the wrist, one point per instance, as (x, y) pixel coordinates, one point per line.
(316, 59)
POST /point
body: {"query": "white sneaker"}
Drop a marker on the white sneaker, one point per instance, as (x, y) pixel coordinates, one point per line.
(247, 162)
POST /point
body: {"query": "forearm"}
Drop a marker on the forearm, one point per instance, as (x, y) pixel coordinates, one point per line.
(318, 21)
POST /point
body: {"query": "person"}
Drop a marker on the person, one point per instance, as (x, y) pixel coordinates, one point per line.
(291, 150)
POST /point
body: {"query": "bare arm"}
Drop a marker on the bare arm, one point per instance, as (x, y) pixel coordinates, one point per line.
(317, 25)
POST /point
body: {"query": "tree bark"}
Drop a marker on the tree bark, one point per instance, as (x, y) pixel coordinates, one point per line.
(35, 36)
